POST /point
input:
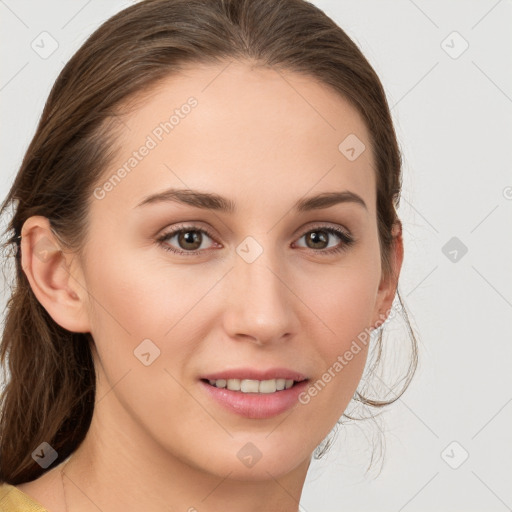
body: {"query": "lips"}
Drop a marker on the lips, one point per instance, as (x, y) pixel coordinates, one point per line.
(255, 394)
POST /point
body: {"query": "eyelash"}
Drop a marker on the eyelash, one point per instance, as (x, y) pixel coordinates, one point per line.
(347, 240)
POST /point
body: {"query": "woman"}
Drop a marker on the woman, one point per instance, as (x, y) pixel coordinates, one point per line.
(206, 236)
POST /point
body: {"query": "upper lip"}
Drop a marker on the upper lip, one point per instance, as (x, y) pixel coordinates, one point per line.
(255, 374)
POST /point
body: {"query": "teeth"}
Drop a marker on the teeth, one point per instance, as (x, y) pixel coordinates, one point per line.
(234, 384)
(253, 386)
(268, 386)
(249, 386)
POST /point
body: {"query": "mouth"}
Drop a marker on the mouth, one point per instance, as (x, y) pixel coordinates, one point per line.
(255, 394)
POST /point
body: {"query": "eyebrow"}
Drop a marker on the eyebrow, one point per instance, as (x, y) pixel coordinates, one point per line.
(212, 201)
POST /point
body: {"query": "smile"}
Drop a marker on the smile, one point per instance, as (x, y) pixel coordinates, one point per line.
(273, 393)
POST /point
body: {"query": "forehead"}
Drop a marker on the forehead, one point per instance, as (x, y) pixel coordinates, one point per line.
(234, 127)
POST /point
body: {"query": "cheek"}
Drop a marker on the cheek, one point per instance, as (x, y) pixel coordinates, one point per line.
(343, 300)
(137, 300)
(140, 299)
(341, 296)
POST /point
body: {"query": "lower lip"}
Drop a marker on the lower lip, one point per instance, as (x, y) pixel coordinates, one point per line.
(256, 405)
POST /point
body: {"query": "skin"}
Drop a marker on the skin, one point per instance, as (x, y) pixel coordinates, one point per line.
(264, 140)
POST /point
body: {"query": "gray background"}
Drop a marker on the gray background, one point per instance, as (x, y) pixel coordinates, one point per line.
(453, 118)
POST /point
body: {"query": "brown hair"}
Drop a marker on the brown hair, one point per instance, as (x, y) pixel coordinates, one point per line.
(50, 393)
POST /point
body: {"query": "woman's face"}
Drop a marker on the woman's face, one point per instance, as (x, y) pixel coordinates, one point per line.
(255, 292)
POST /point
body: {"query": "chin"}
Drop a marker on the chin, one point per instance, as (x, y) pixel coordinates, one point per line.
(259, 458)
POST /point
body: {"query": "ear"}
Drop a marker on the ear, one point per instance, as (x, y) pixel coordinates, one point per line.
(389, 284)
(54, 275)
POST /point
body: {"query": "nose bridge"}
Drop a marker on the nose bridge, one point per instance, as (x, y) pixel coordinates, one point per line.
(260, 303)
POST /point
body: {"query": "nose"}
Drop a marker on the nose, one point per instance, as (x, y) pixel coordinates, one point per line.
(260, 303)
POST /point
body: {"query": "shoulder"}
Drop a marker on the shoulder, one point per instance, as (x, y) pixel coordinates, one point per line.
(13, 499)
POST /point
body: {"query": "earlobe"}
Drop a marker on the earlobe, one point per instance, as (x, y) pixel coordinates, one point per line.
(49, 271)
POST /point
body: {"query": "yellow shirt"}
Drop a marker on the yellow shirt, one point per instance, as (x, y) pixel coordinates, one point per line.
(14, 500)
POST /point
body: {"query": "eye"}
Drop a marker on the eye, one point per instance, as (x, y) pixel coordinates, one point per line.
(189, 239)
(319, 236)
